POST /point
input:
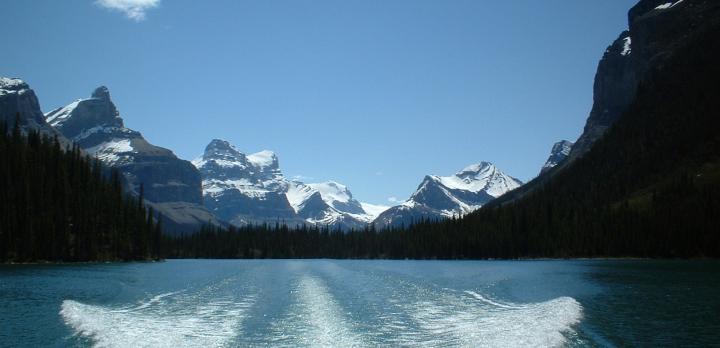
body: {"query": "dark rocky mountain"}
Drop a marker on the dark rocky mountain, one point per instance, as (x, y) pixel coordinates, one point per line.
(250, 189)
(440, 197)
(558, 154)
(18, 99)
(657, 29)
(171, 185)
(615, 84)
(649, 185)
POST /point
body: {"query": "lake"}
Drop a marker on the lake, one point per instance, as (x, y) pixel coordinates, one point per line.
(346, 303)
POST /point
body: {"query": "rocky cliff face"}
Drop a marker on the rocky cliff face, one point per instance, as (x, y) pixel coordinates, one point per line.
(243, 189)
(440, 197)
(171, 185)
(558, 154)
(657, 29)
(18, 99)
(614, 89)
(250, 189)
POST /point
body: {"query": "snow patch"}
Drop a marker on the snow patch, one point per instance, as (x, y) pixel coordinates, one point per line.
(11, 85)
(109, 152)
(332, 191)
(668, 5)
(297, 194)
(373, 210)
(478, 177)
(60, 114)
(627, 49)
(263, 158)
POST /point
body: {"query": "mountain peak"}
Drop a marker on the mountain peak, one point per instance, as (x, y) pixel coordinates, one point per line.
(476, 168)
(16, 97)
(440, 197)
(221, 148)
(101, 92)
(219, 144)
(560, 151)
(333, 190)
(84, 117)
(12, 84)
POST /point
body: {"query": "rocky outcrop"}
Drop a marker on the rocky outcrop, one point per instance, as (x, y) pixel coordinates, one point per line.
(440, 197)
(615, 83)
(171, 185)
(558, 154)
(18, 100)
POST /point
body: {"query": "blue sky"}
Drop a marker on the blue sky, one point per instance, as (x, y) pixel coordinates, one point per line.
(371, 93)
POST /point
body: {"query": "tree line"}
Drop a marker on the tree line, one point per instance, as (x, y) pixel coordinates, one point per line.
(56, 204)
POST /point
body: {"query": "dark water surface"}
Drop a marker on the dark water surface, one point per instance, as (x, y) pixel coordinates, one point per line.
(229, 303)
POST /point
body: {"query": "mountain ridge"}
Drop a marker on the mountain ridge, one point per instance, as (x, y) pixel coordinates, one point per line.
(439, 197)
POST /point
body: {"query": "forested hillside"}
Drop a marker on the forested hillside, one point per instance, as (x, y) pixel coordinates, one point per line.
(58, 205)
(649, 187)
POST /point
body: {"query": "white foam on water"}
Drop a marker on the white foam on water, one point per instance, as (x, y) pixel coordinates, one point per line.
(152, 301)
(492, 302)
(316, 320)
(486, 323)
(162, 321)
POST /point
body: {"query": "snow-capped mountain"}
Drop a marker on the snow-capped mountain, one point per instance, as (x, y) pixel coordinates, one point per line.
(331, 203)
(17, 99)
(251, 189)
(446, 196)
(171, 185)
(559, 153)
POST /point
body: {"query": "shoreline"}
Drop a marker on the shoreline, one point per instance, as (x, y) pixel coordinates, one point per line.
(42, 263)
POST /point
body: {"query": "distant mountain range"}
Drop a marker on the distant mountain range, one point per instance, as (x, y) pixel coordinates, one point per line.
(225, 185)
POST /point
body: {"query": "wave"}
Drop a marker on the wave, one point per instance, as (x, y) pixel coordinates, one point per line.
(492, 302)
(157, 322)
(153, 300)
(409, 312)
(489, 323)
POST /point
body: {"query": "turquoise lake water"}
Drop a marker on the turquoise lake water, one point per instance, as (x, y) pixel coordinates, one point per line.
(241, 303)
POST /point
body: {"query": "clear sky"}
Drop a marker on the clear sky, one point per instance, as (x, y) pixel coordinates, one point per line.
(370, 93)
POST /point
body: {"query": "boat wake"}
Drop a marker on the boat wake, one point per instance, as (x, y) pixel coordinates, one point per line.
(166, 320)
(484, 322)
(327, 306)
(316, 319)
